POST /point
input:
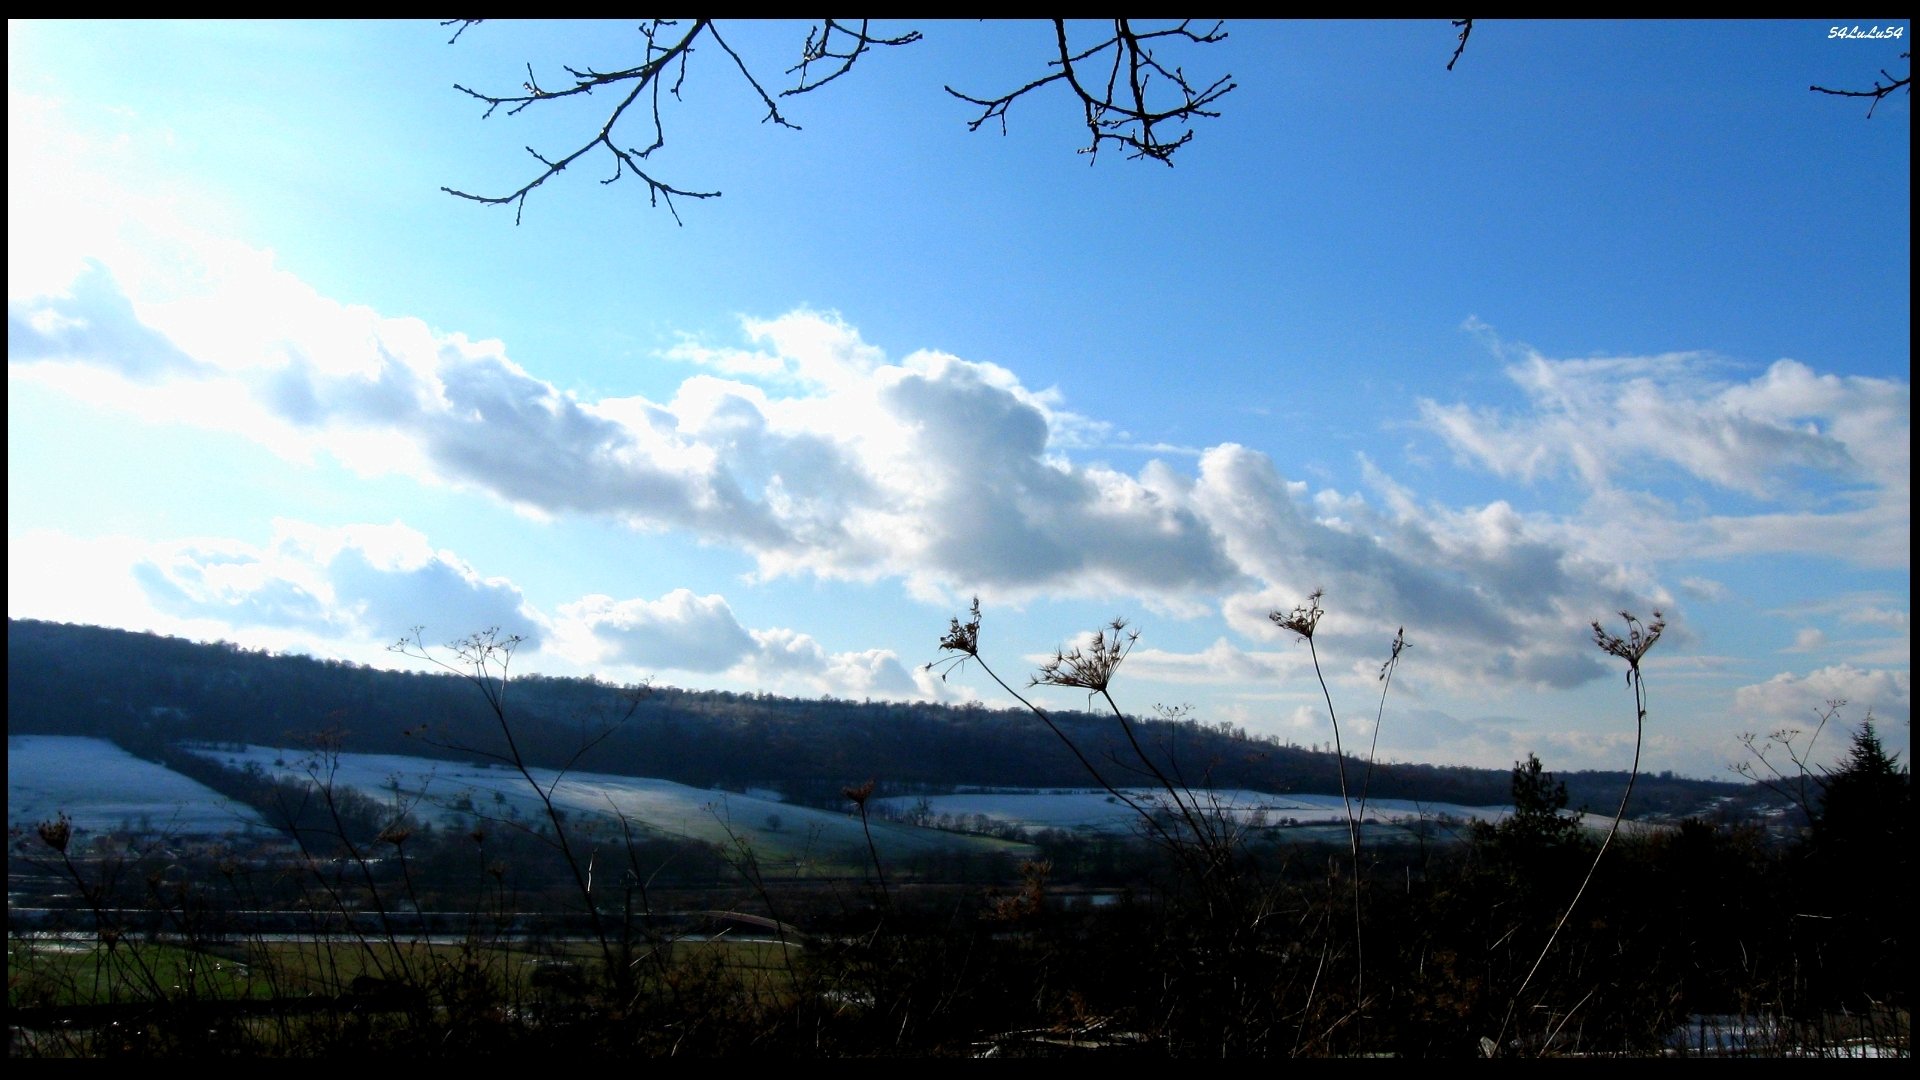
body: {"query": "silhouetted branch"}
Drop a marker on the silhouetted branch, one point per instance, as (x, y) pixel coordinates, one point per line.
(819, 48)
(1120, 111)
(1793, 788)
(645, 78)
(1880, 90)
(1466, 31)
(668, 45)
(773, 110)
(461, 26)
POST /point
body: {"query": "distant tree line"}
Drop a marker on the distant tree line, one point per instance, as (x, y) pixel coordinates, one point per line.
(145, 691)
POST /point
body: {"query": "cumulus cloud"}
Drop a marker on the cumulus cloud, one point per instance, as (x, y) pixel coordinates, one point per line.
(355, 589)
(1492, 590)
(1806, 639)
(92, 320)
(862, 673)
(1794, 700)
(818, 454)
(679, 631)
(949, 475)
(936, 470)
(362, 581)
(682, 632)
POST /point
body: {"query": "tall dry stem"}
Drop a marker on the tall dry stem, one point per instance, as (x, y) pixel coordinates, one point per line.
(1304, 620)
(1632, 648)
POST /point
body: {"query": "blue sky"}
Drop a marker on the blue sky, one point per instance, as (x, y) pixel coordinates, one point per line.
(1610, 317)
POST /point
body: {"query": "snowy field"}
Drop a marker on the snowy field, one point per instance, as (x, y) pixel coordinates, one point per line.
(102, 787)
(462, 795)
(1096, 810)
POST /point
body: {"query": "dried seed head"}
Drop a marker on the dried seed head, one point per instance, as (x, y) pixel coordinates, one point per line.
(1304, 618)
(964, 637)
(962, 641)
(1400, 645)
(1640, 637)
(57, 833)
(1091, 667)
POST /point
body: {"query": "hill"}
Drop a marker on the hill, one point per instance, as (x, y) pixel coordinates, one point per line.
(145, 691)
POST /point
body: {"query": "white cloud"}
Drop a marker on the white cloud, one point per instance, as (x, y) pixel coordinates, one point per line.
(353, 590)
(1219, 662)
(1703, 589)
(936, 470)
(1878, 616)
(679, 631)
(1794, 700)
(1836, 450)
(1600, 418)
(787, 659)
(870, 673)
(945, 474)
(366, 582)
(62, 578)
(701, 635)
(1806, 639)
(1494, 594)
(817, 454)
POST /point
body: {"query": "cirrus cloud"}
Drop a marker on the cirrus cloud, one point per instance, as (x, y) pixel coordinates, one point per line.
(1835, 449)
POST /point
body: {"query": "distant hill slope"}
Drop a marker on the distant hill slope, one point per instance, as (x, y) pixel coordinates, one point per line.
(101, 788)
(143, 690)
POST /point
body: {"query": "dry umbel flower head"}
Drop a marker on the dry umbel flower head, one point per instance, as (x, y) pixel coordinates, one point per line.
(57, 833)
(1400, 645)
(962, 640)
(1640, 637)
(1303, 618)
(1089, 667)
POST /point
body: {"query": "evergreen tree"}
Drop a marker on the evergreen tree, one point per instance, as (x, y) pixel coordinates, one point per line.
(1865, 803)
(1857, 863)
(1539, 819)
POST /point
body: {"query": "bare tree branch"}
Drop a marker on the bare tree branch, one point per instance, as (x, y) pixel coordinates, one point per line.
(1129, 95)
(1126, 109)
(819, 47)
(668, 47)
(1880, 90)
(645, 79)
(1466, 30)
(773, 110)
(461, 26)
